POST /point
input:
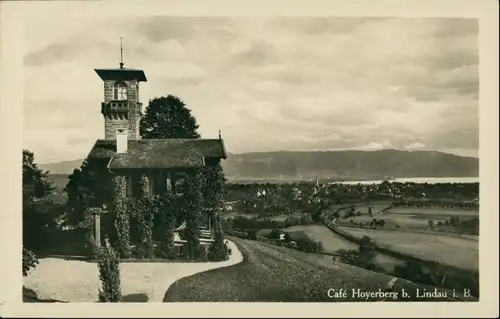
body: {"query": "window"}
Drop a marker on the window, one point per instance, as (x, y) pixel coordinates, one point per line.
(134, 190)
(120, 91)
(178, 183)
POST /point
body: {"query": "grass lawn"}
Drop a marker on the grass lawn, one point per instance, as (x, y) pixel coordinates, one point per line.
(276, 274)
(455, 251)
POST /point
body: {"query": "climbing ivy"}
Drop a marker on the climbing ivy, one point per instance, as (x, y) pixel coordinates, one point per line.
(165, 208)
(214, 203)
(145, 219)
(213, 192)
(122, 221)
(192, 207)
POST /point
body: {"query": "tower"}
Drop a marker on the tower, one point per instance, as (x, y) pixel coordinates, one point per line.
(121, 108)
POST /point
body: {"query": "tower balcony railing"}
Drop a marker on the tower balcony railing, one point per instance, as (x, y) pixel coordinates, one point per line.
(117, 106)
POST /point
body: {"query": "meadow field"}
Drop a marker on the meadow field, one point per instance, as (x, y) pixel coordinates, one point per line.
(413, 218)
(332, 243)
(453, 251)
(362, 207)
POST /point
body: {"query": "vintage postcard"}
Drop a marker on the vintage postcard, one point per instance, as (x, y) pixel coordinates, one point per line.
(315, 158)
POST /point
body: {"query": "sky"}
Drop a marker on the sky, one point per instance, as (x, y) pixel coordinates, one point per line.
(268, 83)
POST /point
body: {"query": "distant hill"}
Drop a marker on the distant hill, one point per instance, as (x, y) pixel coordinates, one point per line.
(333, 164)
(350, 164)
(66, 167)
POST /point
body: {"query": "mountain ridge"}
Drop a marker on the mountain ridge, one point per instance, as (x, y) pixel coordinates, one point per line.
(332, 164)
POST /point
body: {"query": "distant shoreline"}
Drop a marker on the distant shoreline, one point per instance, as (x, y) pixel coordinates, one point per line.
(430, 180)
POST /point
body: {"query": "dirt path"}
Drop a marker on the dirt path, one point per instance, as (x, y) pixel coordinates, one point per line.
(78, 281)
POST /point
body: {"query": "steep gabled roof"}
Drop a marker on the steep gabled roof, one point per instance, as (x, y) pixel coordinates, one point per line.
(159, 153)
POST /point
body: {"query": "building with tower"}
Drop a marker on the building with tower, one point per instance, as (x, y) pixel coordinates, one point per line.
(163, 163)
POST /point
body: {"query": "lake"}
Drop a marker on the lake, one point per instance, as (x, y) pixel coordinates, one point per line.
(429, 180)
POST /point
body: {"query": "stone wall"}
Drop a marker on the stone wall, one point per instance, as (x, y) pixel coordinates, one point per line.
(111, 125)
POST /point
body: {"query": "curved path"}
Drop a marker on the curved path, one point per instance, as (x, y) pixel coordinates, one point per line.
(78, 281)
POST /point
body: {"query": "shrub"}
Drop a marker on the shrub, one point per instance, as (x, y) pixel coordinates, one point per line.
(319, 246)
(109, 274)
(291, 221)
(202, 253)
(183, 252)
(30, 260)
(252, 234)
(91, 247)
(306, 219)
(218, 251)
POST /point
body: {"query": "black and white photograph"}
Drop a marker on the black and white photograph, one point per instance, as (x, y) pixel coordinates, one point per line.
(253, 158)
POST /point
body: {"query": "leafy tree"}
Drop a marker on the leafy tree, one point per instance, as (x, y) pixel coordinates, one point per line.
(454, 221)
(431, 224)
(168, 117)
(88, 186)
(38, 215)
(30, 260)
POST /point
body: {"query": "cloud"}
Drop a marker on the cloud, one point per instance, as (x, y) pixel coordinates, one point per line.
(269, 83)
(414, 146)
(372, 146)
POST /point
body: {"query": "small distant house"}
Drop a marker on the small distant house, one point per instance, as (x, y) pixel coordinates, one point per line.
(303, 242)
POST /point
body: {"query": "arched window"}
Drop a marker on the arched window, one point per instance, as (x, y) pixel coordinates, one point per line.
(120, 91)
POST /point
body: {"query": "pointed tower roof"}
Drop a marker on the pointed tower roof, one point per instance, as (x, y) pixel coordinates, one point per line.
(121, 73)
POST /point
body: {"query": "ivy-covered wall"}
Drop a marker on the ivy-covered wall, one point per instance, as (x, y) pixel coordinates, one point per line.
(145, 217)
(122, 216)
(136, 218)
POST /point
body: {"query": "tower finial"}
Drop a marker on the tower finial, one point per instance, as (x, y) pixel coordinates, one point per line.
(220, 136)
(121, 53)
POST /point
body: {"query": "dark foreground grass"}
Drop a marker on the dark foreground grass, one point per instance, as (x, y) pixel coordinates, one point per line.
(276, 274)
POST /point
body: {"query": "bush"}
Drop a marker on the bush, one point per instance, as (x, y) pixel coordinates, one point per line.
(306, 219)
(30, 260)
(109, 274)
(183, 252)
(319, 246)
(202, 253)
(91, 247)
(218, 251)
(291, 221)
